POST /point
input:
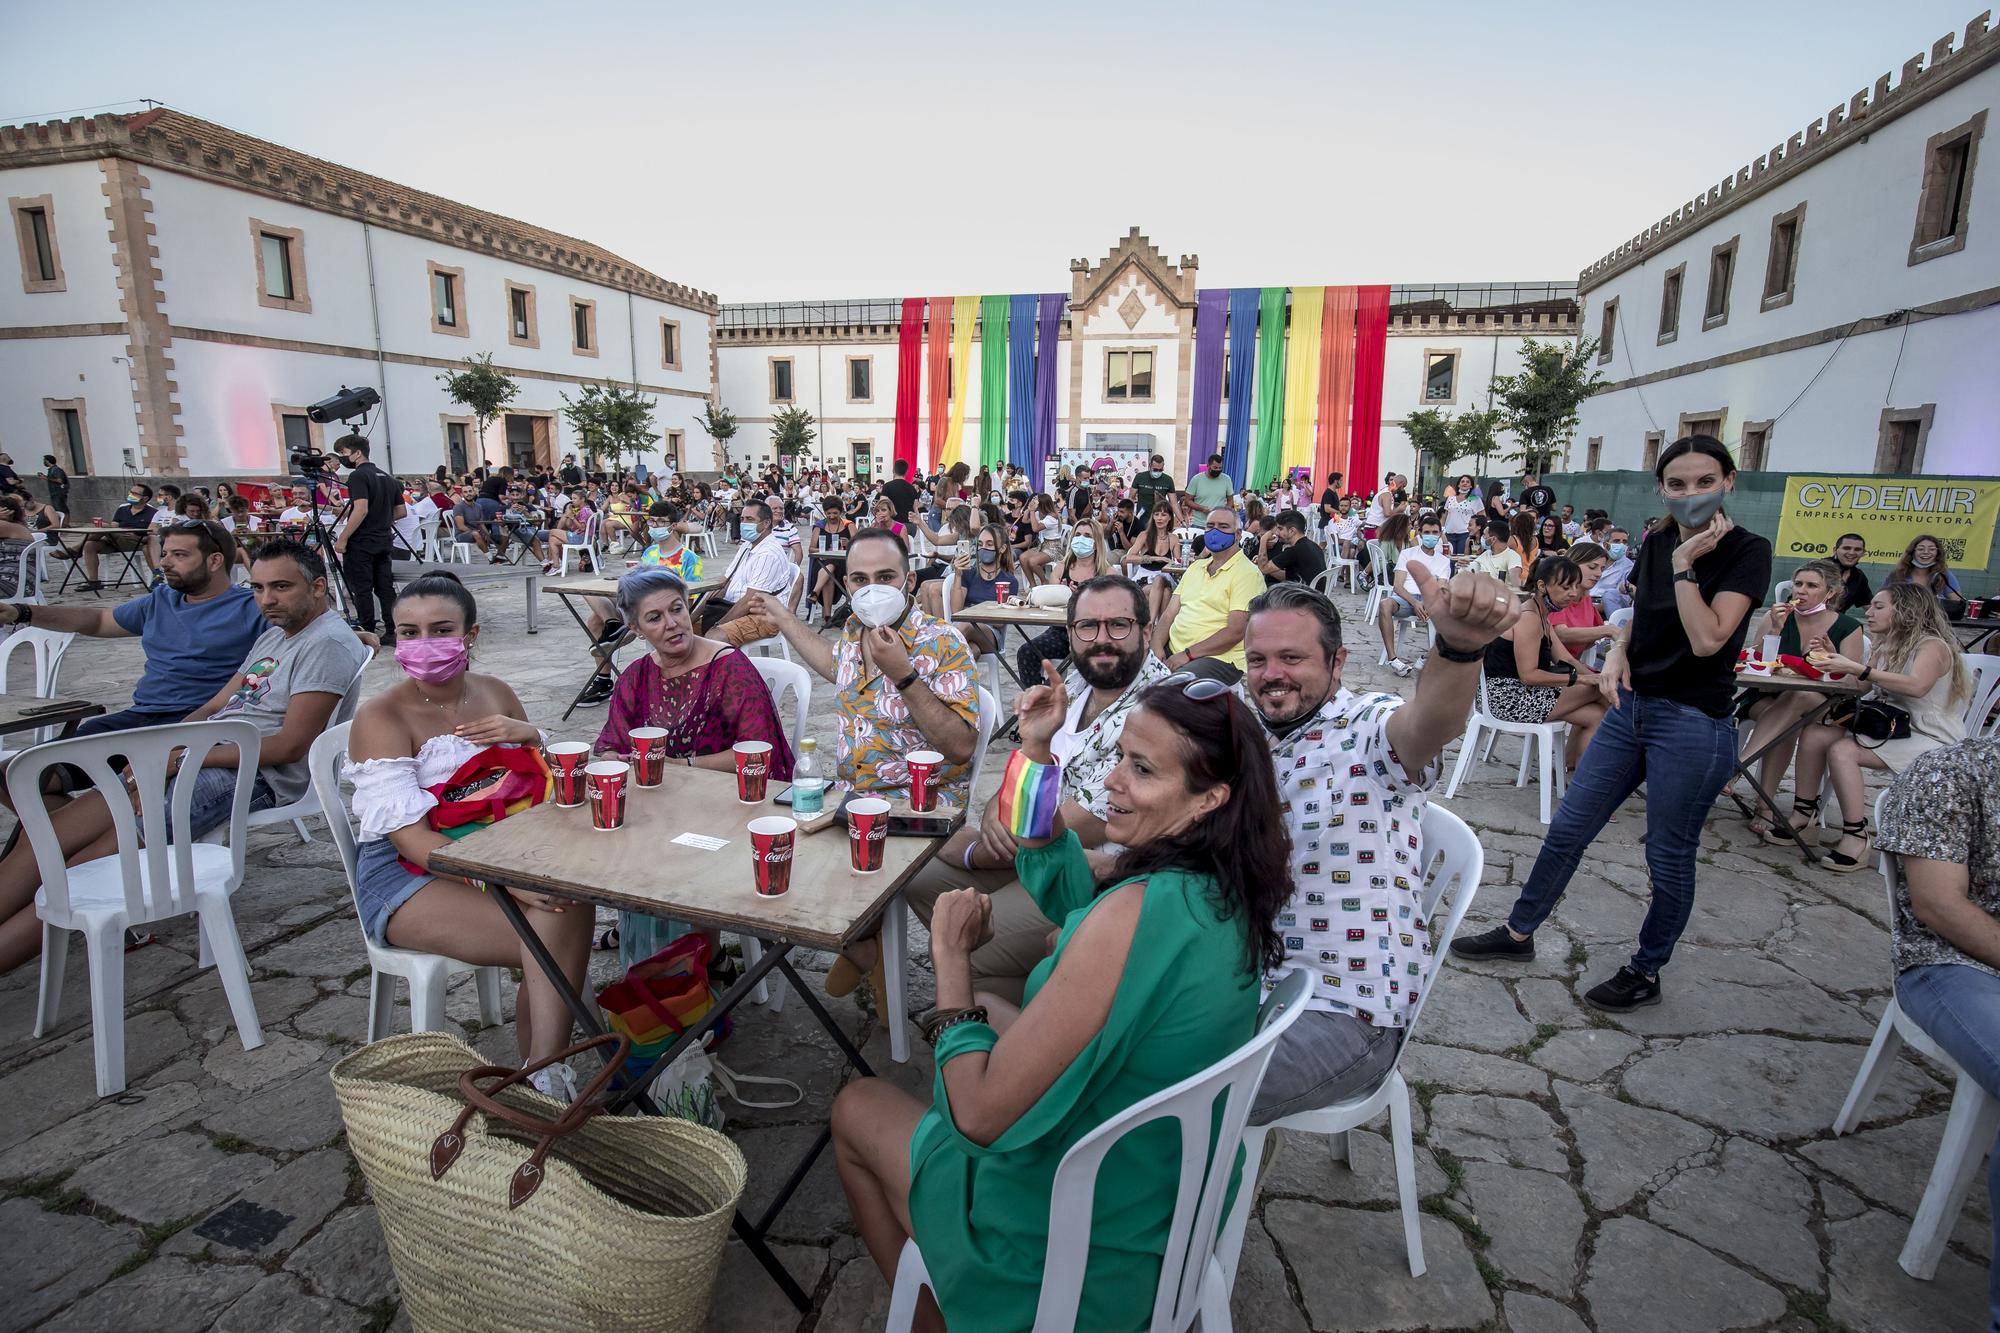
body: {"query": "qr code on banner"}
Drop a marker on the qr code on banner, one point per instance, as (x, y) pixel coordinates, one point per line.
(1954, 550)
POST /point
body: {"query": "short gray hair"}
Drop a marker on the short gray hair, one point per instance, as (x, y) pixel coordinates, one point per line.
(637, 585)
(1299, 597)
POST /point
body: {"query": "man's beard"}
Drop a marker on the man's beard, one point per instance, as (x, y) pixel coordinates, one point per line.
(1110, 677)
(188, 585)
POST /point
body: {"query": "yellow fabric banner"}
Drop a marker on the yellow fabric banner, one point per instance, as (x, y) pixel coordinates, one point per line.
(964, 310)
(1890, 512)
(1302, 379)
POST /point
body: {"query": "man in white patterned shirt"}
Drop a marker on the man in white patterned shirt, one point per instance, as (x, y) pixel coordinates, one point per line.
(1354, 771)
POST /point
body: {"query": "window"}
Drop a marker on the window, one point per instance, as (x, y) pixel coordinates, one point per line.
(522, 330)
(860, 379)
(281, 267)
(1128, 377)
(293, 430)
(1670, 303)
(447, 289)
(69, 434)
(1440, 377)
(1781, 267)
(298, 430)
(1721, 271)
(582, 326)
(674, 439)
(1607, 327)
(1946, 197)
(1904, 431)
(670, 344)
(1703, 423)
(781, 379)
(455, 435)
(1755, 449)
(1593, 453)
(1655, 440)
(41, 265)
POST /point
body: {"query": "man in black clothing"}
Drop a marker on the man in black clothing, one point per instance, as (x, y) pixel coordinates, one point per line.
(1537, 496)
(901, 494)
(1329, 499)
(375, 503)
(1847, 553)
(58, 481)
(10, 480)
(1287, 556)
(572, 475)
(134, 519)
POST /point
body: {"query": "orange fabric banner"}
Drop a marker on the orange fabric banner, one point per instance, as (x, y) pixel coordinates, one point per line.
(1336, 385)
(938, 349)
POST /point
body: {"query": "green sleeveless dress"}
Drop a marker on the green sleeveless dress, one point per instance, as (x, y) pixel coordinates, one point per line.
(1188, 997)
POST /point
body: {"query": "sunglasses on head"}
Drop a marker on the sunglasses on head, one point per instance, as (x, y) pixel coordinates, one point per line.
(1196, 687)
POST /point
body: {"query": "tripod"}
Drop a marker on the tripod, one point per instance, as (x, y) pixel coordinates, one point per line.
(321, 538)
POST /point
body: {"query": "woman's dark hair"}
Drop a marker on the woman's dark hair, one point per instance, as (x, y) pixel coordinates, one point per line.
(1521, 526)
(1586, 551)
(1694, 444)
(1558, 542)
(11, 506)
(1465, 476)
(1244, 846)
(1906, 571)
(1555, 571)
(1395, 531)
(447, 586)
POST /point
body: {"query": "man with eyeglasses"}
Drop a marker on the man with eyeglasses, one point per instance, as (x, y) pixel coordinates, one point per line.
(1202, 627)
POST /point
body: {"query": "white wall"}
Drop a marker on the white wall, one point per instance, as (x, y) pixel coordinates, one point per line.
(83, 243)
(92, 369)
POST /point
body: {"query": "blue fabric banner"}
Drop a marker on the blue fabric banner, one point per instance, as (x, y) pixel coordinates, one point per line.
(1044, 447)
(1211, 308)
(1021, 379)
(1242, 381)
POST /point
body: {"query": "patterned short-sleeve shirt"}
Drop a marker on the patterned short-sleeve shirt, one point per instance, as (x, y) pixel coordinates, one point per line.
(1943, 808)
(1089, 755)
(1356, 918)
(875, 729)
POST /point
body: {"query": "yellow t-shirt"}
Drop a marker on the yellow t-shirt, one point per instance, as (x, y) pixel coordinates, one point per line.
(1208, 597)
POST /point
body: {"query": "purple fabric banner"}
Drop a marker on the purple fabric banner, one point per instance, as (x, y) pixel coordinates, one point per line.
(1047, 349)
(1211, 310)
(1242, 380)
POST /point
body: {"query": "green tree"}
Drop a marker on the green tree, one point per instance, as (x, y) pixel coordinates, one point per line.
(482, 390)
(1539, 404)
(792, 432)
(612, 421)
(720, 423)
(1442, 438)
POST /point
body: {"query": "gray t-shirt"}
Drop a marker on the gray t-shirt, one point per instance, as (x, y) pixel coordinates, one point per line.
(320, 659)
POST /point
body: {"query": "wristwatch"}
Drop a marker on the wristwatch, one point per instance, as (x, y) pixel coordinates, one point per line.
(1451, 653)
(1687, 576)
(907, 681)
(24, 613)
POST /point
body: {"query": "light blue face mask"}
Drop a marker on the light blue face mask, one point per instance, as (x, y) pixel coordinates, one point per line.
(748, 531)
(659, 534)
(1081, 546)
(1618, 550)
(1429, 541)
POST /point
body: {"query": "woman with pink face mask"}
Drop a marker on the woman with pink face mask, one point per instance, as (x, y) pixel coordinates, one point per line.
(406, 742)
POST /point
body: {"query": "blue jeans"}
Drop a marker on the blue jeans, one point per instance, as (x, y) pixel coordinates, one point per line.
(1960, 1007)
(1685, 757)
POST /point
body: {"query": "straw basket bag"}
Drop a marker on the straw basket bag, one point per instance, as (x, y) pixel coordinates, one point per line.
(506, 1210)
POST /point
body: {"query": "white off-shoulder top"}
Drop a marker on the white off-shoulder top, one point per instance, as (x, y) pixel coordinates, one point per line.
(393, 793)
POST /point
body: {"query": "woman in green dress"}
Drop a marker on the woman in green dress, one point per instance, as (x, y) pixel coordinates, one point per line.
(1103, 1024)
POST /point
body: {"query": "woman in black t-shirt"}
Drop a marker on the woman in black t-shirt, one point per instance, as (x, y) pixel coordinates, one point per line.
(1668, 687)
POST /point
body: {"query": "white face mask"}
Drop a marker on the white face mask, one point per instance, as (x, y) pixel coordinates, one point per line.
(878, 604)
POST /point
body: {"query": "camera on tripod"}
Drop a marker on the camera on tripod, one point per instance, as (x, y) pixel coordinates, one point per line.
(311, 463)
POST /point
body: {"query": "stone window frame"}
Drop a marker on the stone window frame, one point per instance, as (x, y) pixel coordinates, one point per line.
(866, 443)
(1929, 199)
(1761, 432)
(1593, 453)
(847, 377)
(589, 309)
(1607, 328)
(1719, 415)
(672, 445)
(59, 438)
(474, 455)
(671, 342)
(1782, 296)
(1674, 280)
(1656, 440)
(31, 280)
(295, 251)
(1153, 375)
(771, 378)
(1457, 356)
(1731, 247)
(1923, 415)
(460, 322)
(534, 338)
(315, 431)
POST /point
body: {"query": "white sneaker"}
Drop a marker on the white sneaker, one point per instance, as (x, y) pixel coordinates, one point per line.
(557, 1081)
(1400, 667)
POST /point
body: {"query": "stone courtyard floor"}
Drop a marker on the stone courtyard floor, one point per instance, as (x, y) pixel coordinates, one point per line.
(1672, 1170)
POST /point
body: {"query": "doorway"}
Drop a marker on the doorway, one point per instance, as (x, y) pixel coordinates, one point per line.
(864, 459)
(521, 443)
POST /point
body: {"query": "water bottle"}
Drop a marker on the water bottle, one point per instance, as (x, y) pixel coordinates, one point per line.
(808, 783)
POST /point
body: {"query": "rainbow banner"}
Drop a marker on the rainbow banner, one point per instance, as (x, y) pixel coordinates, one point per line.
(1302, 376)
(964, 309)
(937, 378)
(1241, 375)
(1270, 387)
(993, 312)
(1043, 445)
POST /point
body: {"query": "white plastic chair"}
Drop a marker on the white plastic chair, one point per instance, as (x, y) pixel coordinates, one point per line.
(1545, 738)
(1783, 592)
(764, 647)
(429, 519)
(32, 572)
(47, 647)
(426, 973)
(987, 664)
(1969, 1127)
(1451, 854)
(1193, 1279)
(782, 678)
(586, 551)
(1984, 668)
(137, 885)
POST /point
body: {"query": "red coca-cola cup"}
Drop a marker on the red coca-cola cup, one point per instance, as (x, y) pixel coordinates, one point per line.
(867, 830)
(606, 783)
(566, 763)
(649, 755)
(753, 770)
(924, 765)
(772, 840)
(1001, 587)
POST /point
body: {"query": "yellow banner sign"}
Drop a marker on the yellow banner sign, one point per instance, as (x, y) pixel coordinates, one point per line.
(1890, 513)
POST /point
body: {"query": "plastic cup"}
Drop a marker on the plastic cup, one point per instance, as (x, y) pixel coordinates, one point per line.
(772, 840)
(566, 763)
(923, 773)
(1001, 587)
(867, 830)
(649, 755)
(1771, 642)
(753, 770)
(606, 781)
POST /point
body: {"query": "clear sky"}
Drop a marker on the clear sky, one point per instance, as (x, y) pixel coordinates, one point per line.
(779, 151)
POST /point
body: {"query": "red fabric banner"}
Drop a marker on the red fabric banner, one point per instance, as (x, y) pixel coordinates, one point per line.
(1371, 344)
(909, 374)
(938, 385)
(1336, 385)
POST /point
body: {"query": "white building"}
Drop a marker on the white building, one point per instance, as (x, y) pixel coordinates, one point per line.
(1125, 379)
(1829, 307)
(185, 291)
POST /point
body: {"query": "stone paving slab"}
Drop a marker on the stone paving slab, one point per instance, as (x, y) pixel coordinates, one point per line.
(1671, 1169)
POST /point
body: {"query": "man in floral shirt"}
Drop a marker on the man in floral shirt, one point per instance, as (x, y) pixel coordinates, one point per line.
(1353, 773)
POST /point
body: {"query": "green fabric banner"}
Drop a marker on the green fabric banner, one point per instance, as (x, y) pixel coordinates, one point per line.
(993, 312)
(1264, 457)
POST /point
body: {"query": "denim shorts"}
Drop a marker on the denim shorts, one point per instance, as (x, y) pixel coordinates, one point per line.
(381, 885)
(214, 793)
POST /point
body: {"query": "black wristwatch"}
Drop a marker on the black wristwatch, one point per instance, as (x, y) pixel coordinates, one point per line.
(907, 681)
(1687, 576)
(1449, 653)
(24, 613)
(1572, 675)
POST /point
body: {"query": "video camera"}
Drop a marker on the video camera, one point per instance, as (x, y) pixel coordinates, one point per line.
(344, 406)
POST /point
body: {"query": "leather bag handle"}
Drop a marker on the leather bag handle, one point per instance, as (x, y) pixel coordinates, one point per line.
(528, 1176)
